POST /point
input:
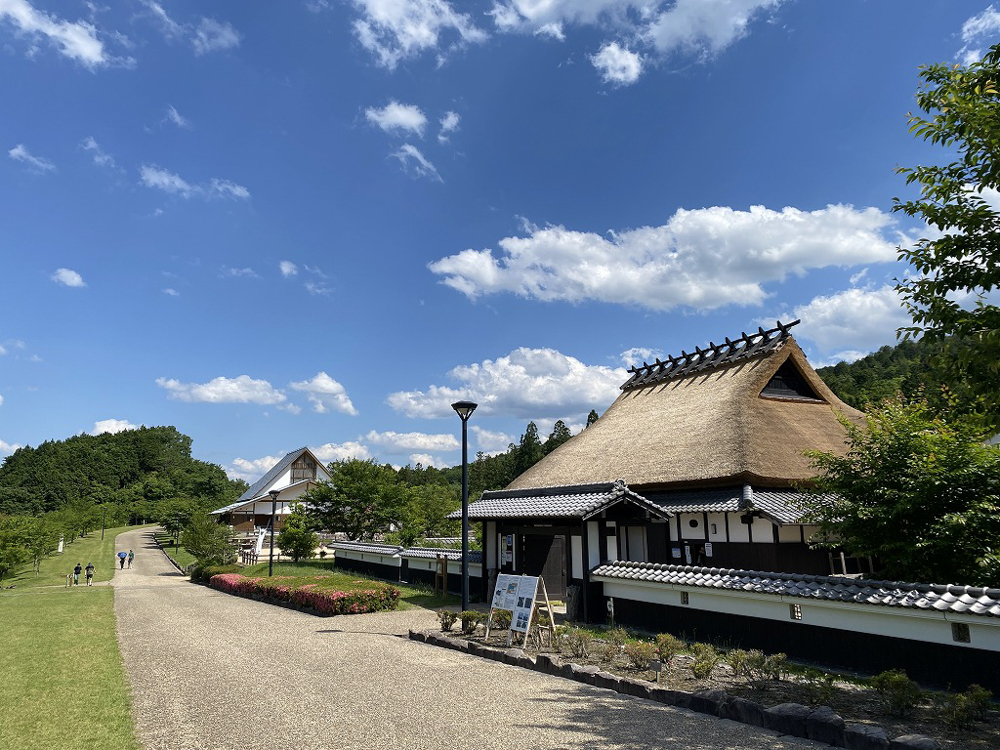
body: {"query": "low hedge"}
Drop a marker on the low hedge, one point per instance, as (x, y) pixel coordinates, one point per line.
(309, 593)
(205, 572)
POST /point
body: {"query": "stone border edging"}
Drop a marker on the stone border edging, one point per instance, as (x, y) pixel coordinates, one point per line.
(167, 555)
(821, 724)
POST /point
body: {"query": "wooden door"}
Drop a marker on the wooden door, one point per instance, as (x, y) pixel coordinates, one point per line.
(545, 556)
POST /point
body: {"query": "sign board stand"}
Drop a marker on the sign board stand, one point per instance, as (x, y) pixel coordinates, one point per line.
(519, 596)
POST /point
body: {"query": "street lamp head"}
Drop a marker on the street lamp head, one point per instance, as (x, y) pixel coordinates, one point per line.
(464, 409)
(274, 494)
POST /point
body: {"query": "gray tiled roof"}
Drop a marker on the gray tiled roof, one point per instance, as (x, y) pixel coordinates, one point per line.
(372, 547)
(781, 505)
(716, 355)
(574, 501)
(932, 597)
(431, 553)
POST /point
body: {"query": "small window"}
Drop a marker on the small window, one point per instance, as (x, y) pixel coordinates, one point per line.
(795, 611)
(960, 633)
(686, 599)
(693, 523)
(788, 382)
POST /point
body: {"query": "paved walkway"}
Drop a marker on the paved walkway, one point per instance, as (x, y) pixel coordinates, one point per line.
(211, 671)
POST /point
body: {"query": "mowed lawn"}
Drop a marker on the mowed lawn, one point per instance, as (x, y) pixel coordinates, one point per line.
(61, 679)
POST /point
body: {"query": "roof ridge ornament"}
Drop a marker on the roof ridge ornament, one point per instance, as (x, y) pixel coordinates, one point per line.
(744, 347)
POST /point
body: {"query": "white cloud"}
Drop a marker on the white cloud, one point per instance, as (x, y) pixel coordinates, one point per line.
(112, 426)
(395, 30)
(702, 258)
(618, 65)
(171, 292)
(341, 451)
(400, 442)
(317, 288)
(978, 31)
(171, 28)
(527, 383)
(1, 397)
(851, 323)
(177, 118)
(221, 390)
(639, 354)
(426, 459)
(101, 158)
(239, 273)
(395, 117)
(68, 277)
(449, 124)
(8, 448)
(174, 184)
(491, 442)
(416, 163)
(35, 163)
(76, 40)
(704, 27)
(250, 470)
(213, 36)
(288, 269)
(325, 393)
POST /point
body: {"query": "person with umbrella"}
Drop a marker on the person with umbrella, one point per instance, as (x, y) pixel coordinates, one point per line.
(122, 557)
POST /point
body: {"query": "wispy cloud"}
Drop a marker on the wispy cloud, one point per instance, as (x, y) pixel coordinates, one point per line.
(977, 32)
(154, 177)
(449, 124)
(239, 273)
(171, 292)
(288, 269)
(214, 36)
(403, 442)
(100, 156)
(177, 118)
(68, 277)
(35, 163)
(76, 40)
(415, 163)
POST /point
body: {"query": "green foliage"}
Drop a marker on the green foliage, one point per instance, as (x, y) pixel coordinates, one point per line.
(899, 694)
(529, 450)
(638, 654)
(208, 541)
(592, 417)
(203, 572)
(501, 619)
(361, 499)
(959, 266)
(759, 667)
(667, 647)
(13, 552)
(961, 709)
(447, 619)
(577, 642)
(559, 435)
(297, 538)
(471, 620)
(819, 686)
(423, 514)
(917, 491)
(706, 657)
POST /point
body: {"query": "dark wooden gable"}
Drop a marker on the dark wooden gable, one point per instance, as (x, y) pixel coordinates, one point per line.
(789, 383)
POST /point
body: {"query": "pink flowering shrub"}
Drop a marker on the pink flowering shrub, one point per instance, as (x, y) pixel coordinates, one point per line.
(311, 593)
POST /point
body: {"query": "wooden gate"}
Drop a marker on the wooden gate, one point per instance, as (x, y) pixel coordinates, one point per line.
(544, 555)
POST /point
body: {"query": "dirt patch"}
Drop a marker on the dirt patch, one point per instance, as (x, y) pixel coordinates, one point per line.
(848, 697)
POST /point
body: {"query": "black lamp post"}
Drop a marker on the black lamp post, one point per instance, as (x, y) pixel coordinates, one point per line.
(464, 410)
(274, 504)
(104, 520)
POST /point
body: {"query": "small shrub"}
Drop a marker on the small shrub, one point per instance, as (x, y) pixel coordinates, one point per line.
(577, 642)
(964, 708)
(638, 654)
(706, 657)
(447, 619)
(501, 619)
(200, 572)
(738, 660)
(760, 667)
(819, 686)
(667, 647)
(470, 621)
(900, 695)
(322, 553)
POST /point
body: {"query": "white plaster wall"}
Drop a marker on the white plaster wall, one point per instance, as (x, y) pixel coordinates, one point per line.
(896, 622)
(763, 530)
(687, 530)
(719, 519)
(576, 555)
(738, 531)
(593, 544)
(491, 534)
(789, 533)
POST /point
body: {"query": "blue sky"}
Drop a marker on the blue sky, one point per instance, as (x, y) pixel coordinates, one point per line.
(310, 222)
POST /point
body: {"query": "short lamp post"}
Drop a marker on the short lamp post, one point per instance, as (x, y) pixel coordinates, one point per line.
(464, 410)
(274, 506)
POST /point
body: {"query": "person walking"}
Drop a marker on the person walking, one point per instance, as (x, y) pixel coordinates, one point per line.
(76, 574)
(90, 574)
(122, 557)
(131, 557)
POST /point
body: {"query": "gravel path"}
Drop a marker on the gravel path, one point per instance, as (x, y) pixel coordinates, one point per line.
(209, 671)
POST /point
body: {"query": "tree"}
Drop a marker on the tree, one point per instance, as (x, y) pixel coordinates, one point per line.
(529, 450)
(559, 435)
(917, 490)
(40, 537)
(361, 499)
(207, 540)
(959, 265)
(175, 515)
(297, 537)
(592, 417)
(424, 512)
(13, 553)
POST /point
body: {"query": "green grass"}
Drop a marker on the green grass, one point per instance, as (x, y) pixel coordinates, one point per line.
(79, 550)
(414, 595)
(63, 684)
(181, 556)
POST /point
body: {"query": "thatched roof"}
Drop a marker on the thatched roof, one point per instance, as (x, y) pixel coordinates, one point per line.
(708, 424)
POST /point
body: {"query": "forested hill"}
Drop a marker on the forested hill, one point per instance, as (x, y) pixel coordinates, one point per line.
(134, 470)
(912, 368)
